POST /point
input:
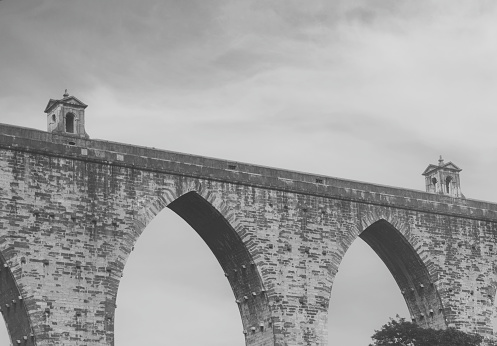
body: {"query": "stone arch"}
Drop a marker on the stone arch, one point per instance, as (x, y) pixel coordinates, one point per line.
(13, 308)
(70, 123)
(215, 223)
(398, 251)
(448, 181)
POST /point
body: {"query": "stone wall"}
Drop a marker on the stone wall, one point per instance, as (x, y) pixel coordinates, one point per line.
(70, 214)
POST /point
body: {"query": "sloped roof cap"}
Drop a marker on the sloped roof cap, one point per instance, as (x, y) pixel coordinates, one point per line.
(67, 100)
(447, 166)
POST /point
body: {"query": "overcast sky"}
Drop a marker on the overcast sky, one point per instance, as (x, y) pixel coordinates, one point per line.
(367, 90)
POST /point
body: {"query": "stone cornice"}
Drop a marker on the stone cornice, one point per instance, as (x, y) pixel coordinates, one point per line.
(162, 161)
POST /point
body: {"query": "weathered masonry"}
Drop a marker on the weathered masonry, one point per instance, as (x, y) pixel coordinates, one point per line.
(71, 209)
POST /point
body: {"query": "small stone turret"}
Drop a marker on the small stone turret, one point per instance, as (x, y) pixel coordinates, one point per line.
(443, 179)
(66, 116)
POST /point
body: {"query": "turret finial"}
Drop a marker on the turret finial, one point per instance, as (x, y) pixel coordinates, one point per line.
(65, 94)
(440, 161)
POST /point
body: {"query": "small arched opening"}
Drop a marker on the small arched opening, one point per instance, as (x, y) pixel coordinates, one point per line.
(434, 182)
(448, 180)
(70, 123)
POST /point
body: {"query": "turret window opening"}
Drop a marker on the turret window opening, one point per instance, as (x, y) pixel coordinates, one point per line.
(447, 183)
(53, 118)
(70, 123)
(434, 181)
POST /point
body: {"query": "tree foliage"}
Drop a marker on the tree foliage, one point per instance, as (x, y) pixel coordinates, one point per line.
(400, 332)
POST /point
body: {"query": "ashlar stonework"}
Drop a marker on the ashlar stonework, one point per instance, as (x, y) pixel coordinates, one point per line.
(72, 208)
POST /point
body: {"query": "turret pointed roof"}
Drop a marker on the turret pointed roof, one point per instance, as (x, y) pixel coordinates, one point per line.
(441, 165)
(66, 100)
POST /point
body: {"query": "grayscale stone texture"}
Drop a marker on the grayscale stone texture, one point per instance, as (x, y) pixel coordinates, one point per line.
(72, 208)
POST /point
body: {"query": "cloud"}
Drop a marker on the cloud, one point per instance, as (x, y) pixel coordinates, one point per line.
(370, 90)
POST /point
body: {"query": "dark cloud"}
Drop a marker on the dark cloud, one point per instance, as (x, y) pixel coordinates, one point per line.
(125, 43)
(144, 45)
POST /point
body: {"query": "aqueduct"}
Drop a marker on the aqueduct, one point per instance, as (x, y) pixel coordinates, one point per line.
(71, 209)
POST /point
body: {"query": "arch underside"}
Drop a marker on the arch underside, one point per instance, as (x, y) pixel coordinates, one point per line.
(236, 261)
(13, 308)
(409, 272)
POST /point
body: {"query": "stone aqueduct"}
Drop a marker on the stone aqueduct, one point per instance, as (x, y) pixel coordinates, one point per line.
(72, 208)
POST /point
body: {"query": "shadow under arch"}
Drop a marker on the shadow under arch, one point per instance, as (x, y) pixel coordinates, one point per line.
(13, 308)
(236, 261)
(409, 271)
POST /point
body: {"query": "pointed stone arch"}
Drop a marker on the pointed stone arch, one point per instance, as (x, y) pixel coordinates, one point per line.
(13, 308)
(396, 247)
(216, 224)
